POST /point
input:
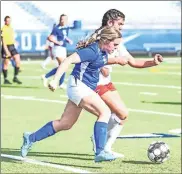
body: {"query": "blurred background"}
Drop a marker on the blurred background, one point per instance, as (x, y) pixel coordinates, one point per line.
(150, 27)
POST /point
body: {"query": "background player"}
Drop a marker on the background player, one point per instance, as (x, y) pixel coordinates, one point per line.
(9, 50)
(61, 33)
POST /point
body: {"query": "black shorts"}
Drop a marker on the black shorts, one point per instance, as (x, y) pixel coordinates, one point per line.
(11, 49)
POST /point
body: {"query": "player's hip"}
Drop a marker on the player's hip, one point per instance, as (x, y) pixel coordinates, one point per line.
(11, 48)
(77, 90)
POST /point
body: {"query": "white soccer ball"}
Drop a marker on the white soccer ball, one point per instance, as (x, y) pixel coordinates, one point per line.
(158, 152)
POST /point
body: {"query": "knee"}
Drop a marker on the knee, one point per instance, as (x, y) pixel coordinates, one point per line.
(123, 114)
(5, 66)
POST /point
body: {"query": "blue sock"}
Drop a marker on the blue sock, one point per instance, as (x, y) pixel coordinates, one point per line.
(44, 132)
(100, 135)
(13, 63)
(51, 73)
(62, 79)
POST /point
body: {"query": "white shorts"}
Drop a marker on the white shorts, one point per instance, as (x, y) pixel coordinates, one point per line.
(77, 90)
(59, 51)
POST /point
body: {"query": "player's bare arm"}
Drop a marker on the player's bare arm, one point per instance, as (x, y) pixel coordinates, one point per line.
(69, 40)
(117, 60)
(144, 63)
(8, 54)
(52, 39)
(63, 67)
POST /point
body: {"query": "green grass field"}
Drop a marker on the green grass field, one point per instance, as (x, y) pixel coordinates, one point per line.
(25, 108)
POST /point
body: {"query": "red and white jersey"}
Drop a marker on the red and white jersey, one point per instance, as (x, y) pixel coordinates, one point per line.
(120, 52)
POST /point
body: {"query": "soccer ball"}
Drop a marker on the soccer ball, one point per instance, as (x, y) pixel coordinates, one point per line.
(158, 152)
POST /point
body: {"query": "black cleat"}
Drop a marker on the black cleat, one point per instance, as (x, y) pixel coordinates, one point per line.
(7, 82)
(15, 80)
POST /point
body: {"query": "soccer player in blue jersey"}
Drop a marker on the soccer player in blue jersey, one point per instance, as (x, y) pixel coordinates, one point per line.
(59, 36)
(81, 85)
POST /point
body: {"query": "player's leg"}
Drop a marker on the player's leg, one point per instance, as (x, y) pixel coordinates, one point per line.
(111, 97)
(51, 73)
(115, 103)
(93, 103)
(5, 71)
(16, 57)
(86, 98)
(5, 64)
(67, 120)
(48, 58)
(119, 114)
(13, 63)
(60, 53)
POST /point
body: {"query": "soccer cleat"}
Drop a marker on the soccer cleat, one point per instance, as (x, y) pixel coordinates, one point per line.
(104, 156)
(7, 82)
(26, 144)
(116, 155)
(45, 81)
(15, 80)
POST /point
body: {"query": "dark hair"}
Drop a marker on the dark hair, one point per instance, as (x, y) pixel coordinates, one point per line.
(62, 15)
(6, 17)
(111, 14)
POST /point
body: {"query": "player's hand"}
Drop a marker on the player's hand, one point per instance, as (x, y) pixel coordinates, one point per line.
(122, 61)
(61, 43)
(158, 59)
(53, 85)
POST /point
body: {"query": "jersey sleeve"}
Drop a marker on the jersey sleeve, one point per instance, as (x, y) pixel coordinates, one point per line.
(54, 31)
(86, 54)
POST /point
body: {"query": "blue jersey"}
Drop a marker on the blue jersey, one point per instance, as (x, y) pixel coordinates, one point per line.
(92, 59)
(60, 32)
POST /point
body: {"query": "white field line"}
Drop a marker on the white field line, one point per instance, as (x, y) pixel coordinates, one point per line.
(31, 98)
(149, 93)
(154, 112)
(147, 85)
(119, 83)
(64, 102)
(177, 131)
(147, 73)
(37, 162)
